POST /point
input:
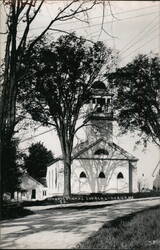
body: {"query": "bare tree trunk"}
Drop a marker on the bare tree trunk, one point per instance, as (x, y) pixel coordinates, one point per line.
(66, 146)
(67, 178)
(8, 100)
(3, 108)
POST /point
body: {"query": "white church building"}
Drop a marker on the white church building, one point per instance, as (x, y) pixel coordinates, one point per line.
(98, 165)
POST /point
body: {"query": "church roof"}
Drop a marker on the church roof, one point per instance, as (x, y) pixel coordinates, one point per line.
(83, 147)
(128, 155)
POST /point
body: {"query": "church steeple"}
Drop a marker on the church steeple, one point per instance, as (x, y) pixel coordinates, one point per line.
(100, 113)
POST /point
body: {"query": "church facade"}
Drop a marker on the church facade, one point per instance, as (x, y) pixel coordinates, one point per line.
(99, 165)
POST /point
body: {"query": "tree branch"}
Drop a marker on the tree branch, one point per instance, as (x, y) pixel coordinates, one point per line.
(59, 17)
(66, 32)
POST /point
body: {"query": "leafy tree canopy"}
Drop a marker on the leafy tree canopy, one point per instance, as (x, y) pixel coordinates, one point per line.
(60, 78)
(137, 96)
(37, 160)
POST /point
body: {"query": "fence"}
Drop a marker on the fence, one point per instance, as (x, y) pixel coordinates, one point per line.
(101, 197)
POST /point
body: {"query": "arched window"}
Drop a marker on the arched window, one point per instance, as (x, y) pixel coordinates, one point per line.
(82, 175)
(120, 176)
(101, 175)
(101, 151)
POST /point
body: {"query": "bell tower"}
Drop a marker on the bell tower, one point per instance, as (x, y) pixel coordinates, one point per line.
(100, 113)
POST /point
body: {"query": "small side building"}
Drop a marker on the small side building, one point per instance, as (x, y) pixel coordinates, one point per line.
(31, 189)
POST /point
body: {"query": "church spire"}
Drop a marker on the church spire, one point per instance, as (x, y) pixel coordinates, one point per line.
(100, 113)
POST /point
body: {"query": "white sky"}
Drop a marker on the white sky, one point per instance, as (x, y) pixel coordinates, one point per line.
(135, 29)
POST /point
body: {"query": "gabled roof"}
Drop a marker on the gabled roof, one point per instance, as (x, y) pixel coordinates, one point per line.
(128, 155)
(123, 152)
(77, 150)
(86, 145)
(39, 181)
(42, 180)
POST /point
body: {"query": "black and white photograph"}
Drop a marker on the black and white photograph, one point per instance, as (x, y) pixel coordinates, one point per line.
(80, 124)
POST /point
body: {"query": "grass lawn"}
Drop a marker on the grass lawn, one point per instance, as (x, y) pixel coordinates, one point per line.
(135, 231)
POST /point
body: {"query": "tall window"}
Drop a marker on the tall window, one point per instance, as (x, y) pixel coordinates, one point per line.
(82, 175)
(120, 176)
(101, 175)
(108, 101)
(44, 193)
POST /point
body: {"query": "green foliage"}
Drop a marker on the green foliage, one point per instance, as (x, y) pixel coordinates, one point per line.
(137, 96)
(37, 160)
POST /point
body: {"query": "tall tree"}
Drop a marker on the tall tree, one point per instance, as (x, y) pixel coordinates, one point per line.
(59, 83)
(37, 160)
(137, 97)
(21, 14)
(11, 174)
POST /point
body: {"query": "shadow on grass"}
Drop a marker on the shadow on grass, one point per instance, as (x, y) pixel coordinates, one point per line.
(14, 212)
(116, 222)
(128, 232)
(54, 222)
